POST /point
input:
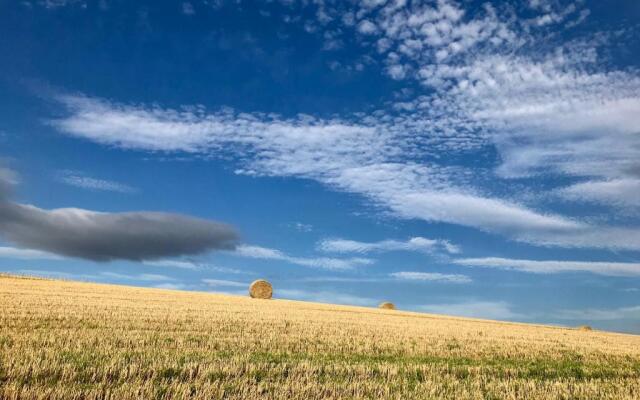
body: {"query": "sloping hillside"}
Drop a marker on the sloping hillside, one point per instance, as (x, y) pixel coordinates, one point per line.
(62, 339)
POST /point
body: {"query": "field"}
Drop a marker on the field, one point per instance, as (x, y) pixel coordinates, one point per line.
(69, 340)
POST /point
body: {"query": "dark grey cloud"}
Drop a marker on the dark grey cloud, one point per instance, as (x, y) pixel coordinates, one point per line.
(100, 236)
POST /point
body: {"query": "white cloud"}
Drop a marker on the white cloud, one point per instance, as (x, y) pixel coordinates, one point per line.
(80, 180)
(54, 274)
(154, 280)
(26, 254)
(220, 282)
(319, 262)
(549, 117)
(367, 27)
(342, 155)
(431, 277)
(325, 297)
(193, 265)
(554, 267)
(173, 286)
(562, 112)
(622, 313)
(397, 71)
(172, 264)
(187, 8)
(591, 236)
(474, 309)
(53, 4)
(565, 111)
(553, 13)
(136, 277)
(423, 34)
(424, 192)
(340, 279)
(259, 252)
(624, 193)
(299, 226)
(420, 244)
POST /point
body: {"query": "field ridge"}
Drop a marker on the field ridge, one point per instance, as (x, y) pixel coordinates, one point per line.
(66, 339)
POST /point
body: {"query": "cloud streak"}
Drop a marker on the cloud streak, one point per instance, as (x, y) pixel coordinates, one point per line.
(224, 283)
(265, 253)
(553, 267)
(498, 310)
(192, 265)
(430, 277)
(345, 156)
(593, 314)
(419, 244)
(77, 179)
(622, 193)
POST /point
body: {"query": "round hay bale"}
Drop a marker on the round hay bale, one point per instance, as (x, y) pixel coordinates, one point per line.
(387, 306)
(585, 328)
(260, 289)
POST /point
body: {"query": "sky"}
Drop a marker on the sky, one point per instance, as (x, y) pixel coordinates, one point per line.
(478, 159)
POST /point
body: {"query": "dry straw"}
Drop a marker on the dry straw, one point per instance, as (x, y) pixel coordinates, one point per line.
(387, 306)
(305, 350)
(260, 289)
(585, 328)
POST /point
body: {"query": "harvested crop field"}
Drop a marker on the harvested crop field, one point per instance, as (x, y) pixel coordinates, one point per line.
(68, 340)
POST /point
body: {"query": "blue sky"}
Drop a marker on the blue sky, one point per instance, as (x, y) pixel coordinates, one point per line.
(469, 158)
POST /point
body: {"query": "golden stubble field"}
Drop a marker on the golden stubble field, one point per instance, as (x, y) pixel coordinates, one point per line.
(71, 340)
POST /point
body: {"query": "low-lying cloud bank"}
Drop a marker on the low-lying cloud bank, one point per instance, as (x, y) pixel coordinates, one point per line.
(266, 253)
(430, 277)
(419, 244)
(101, 236)
(553, 266)
(498, 310)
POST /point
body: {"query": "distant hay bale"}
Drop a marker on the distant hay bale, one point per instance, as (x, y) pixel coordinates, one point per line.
(260, 289)
(387, 306)
(585, 328)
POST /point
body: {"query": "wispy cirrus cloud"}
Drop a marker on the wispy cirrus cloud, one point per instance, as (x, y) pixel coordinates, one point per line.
(553, 266)
(621, 193)
(344, 156)
(98, 276)
(169, 263)
(173, 286)
(53, 4)
(136, 277)
(419, 244)
(317, 262)
(77, 179)
(192, 265)
(430, 277)
(631, 313)
(560, 109)
(187, 8)
(224, 283)
(300, 227)
(499, 310)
